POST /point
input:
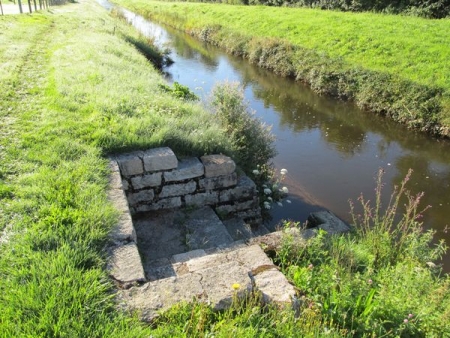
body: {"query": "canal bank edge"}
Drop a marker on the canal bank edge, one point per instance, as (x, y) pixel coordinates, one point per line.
(417, 106)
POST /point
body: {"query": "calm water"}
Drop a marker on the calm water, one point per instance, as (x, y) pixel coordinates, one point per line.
(331, 149)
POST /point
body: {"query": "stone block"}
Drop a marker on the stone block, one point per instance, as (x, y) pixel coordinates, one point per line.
(218, 165)
(115, 179)
(219, 182)
(244, 189)
(250, 213)
(159, 159)
(166, 203)
(125, 185)
(202, 199)
(273, 286)
(178, 189)
(146, 181)
(125, 264)
(327, 221)
(252, 204)
(124, 229)
(118, 199)
(187, 168)
(131, 164)
(225, 210)
(144, 196)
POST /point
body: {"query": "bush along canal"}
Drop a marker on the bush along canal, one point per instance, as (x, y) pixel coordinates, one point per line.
(331, 149)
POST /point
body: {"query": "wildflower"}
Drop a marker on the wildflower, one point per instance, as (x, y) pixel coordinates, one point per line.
(410, 315)
(310, 266)
(288, 201)
(405, 321)
(267, 191)
(275, 186)
(256, 172)
(370, 281)
(285, 190)
(283, 172)
(236, 286)
(267, 205)
(280, 204)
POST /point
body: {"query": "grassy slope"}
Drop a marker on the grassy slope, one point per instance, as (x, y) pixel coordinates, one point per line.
(393, 65)
(416, 48)
(72, 91)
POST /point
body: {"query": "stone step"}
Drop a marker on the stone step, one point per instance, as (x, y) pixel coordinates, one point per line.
(215, 279)
(205, 230)
(240, 230)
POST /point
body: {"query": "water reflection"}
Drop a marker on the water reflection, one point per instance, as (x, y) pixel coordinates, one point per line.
(332, 149)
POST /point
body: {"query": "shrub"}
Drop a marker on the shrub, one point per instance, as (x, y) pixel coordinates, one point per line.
(251, 138)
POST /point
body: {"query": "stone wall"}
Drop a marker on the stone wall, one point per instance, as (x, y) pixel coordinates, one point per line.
(156, 179)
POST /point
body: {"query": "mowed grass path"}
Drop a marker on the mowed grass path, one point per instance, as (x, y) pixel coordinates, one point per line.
(72, 91)
(414, 48)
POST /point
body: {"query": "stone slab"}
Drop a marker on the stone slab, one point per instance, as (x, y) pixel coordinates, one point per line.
(218, 165)
(327, 221)
(186, 169)
(159, 159)
(219, 182)
(202, 199)
(183, 257)
(178, 189)
(118, 199)
(205, 230)
(273, 286)
(115, 179)
(147, 181)
(125, 264)
(131, 164)
(124, 229)
(238, 229)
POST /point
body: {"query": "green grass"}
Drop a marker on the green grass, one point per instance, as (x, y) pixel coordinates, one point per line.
(392, 65)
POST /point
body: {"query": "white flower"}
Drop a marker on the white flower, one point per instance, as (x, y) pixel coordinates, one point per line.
(285, 190)
(264, 185)
(267, 191)
(283, 172)
(280, 204)
(256, 172)
(267, 205)
(288, 201)
(275, 186)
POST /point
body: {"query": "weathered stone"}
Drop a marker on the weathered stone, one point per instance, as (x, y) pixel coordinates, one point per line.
(124, 230)
(252, 204)
(225, 210)
(146, 181)
(274, 240)
(245, 188)
(131, 164)
(159, 159)
(125, 264)
(273, 286)
(144, 196)
(250, 213)
(113, 166)
(183, 257)
(125, 185)
(178, 189)
(201, 199)
(218, 165)
(115, 180)
(205, 230)
(219, 182)
(327, 221)
(118, 199)
(187, 168)
(166, 203)
(238, 229)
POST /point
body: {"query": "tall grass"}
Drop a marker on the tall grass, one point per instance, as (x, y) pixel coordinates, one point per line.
(381, 280)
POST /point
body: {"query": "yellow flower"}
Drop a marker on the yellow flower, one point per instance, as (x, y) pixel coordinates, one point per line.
(236, 286)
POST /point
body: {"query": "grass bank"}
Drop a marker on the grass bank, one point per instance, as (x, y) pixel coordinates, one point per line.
(392, 65)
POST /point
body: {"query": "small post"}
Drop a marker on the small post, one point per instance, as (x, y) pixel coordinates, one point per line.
(20, 6)
(29, 6)
(1, 6)
(35, 6)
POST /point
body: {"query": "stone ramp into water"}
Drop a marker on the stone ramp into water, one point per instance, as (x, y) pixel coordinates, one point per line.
(210, 278)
